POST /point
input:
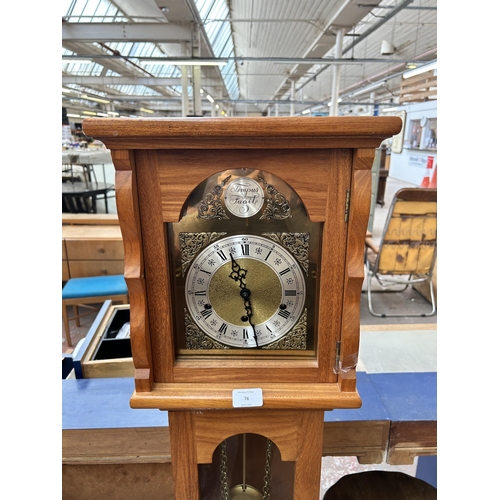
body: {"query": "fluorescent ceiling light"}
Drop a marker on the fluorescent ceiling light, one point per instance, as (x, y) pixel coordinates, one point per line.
(146, 110)
(184, 62)
(89, 113)
(388, 110)
(66, 90)
(102, 114)
(76, 61)
(96, 99)
(113, 113)
(420, 70)
(210, 98)
(368, 88)
(71, 115)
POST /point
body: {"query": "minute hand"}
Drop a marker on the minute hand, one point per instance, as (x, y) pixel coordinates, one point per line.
(239, 274)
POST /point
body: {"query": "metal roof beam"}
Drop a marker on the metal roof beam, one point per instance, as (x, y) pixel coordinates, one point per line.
(126, 32)
(215, 60)
(124, 80)
(118, 80)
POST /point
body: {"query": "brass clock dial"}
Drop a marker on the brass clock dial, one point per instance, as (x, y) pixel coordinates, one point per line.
(245, 259)
(245, 291)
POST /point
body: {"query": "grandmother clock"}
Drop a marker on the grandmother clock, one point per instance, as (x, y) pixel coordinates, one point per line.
(244, 245)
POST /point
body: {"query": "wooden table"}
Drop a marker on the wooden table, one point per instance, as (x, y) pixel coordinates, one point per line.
(78, 197)
(127, 451)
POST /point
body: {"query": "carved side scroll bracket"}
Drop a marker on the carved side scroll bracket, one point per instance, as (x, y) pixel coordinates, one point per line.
(357, 224)
(127, 207)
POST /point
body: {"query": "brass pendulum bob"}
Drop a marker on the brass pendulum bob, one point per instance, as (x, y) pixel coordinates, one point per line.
(242, 492)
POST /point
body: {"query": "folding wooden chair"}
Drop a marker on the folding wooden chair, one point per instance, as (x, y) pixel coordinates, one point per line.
(408, 247)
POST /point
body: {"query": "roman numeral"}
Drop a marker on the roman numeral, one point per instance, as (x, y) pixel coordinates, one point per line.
(267, 256)
(203, 271)
(287, 270)
(206, 313)
(222, 255)
(245, 249)
(284, 314)
(245, 333)
(203, 292)
(223, 328)
(290, 293)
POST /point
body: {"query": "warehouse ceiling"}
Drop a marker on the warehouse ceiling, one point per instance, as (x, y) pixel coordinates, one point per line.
(241, 57)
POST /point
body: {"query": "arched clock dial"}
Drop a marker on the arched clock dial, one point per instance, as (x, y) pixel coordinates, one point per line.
(245, 291)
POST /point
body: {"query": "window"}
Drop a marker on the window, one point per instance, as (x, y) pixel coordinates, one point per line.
(415, 134)
(430, 135)
(422, 134)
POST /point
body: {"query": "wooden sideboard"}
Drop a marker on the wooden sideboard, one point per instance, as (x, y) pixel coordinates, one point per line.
(92, 245)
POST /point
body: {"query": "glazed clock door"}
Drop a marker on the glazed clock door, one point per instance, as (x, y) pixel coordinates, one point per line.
(245, 261)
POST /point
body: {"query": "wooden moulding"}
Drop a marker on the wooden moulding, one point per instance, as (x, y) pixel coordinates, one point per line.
(244, 133)
(275, 395)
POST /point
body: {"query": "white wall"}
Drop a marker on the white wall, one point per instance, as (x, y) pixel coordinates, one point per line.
(410, 165)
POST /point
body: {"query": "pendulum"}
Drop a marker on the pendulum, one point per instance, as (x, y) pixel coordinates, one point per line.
(244, 491)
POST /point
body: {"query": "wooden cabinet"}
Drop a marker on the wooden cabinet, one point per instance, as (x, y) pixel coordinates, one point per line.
(91, 247)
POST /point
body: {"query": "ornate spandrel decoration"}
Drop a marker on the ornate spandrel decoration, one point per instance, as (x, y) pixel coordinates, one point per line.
(196, 339)
(192, 243)
(295, 339)
(211, 205)
(296, 243)
(277, 206)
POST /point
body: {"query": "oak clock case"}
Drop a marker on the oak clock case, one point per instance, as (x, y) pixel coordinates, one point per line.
(245, 268)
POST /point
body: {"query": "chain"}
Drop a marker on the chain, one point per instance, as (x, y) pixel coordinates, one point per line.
(267, 476)
(224, 491)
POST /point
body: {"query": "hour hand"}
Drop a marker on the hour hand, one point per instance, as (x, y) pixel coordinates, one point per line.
(237, 273)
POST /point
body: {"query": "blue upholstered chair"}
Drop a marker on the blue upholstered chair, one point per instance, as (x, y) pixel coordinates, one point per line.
(81, 292)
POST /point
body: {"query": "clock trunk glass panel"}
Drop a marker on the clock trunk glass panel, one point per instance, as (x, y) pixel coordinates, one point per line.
(245, 260)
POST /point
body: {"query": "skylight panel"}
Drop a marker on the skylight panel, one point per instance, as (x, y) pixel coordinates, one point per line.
(135, 90)
(91, 11)
(204, 7)
(220, 37)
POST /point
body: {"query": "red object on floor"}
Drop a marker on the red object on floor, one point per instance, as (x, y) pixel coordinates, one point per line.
(433, 183)
(428, 169)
